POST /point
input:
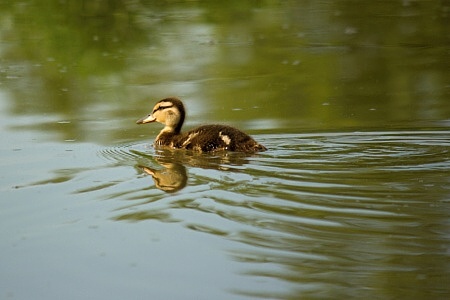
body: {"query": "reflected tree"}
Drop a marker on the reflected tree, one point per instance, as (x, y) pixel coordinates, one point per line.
(268, 64)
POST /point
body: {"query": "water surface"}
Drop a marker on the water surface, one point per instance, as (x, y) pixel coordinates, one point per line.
(351, 200)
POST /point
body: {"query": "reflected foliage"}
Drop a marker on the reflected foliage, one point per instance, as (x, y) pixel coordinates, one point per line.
(330, 215)
(57, 46)
(268, 64)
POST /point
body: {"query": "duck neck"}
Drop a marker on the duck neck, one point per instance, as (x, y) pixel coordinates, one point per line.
(173, 124)
(167, 131)
(177, 127)
(171, 129)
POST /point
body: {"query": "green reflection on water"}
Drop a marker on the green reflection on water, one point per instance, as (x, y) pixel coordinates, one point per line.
(260, 65)
(86, 70)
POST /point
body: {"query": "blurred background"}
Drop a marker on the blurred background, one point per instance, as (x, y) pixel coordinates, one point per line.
(352, 99)
(280, 66)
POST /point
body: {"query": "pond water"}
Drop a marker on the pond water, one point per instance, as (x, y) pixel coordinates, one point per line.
(351, 200)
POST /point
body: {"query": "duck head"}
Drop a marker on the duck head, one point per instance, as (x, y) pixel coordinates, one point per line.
(168, 111)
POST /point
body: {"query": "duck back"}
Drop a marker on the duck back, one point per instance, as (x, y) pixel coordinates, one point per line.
(210, 138)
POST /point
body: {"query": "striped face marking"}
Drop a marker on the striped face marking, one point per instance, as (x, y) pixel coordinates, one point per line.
(158, 115)
(167, 113)
(162, 106)
(170, 112)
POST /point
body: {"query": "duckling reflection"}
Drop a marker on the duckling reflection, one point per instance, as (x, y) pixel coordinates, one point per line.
(171, 178)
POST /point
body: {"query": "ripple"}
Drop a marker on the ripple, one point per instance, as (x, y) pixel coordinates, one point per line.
(331, 203)
(334, 165)
(126, 152)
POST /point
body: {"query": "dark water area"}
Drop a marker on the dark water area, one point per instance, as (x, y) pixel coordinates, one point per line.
(351, 199)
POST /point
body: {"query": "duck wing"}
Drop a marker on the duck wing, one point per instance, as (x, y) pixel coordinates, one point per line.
(210, 138)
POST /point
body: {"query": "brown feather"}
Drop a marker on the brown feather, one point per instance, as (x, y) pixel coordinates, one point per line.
(206, 138)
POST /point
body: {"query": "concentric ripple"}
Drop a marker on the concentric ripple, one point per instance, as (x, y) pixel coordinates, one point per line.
(314, 206)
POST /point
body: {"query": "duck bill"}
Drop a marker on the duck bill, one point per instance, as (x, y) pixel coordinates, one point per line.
(146, 119)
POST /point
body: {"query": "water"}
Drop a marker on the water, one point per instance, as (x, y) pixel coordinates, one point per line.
(351, 200)
(315, 216)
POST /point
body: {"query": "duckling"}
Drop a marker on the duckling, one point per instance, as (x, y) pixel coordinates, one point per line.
(206, 138)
